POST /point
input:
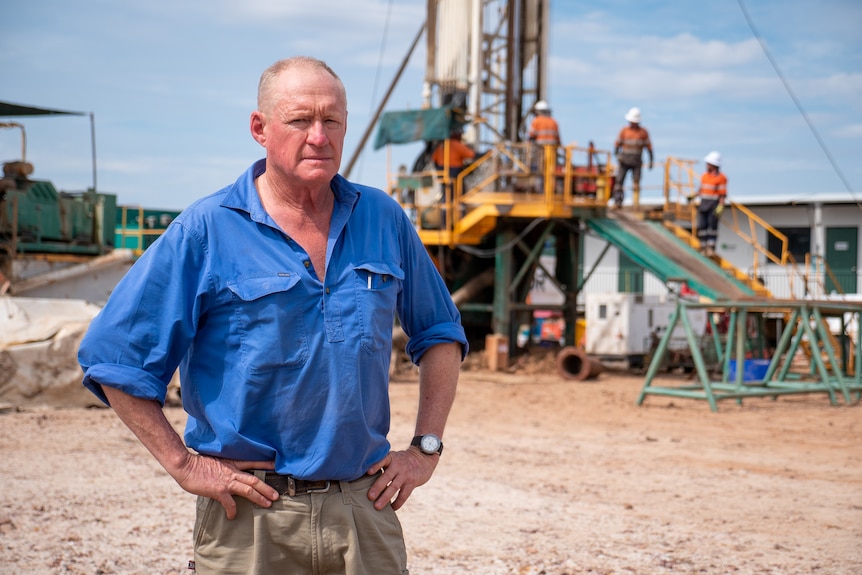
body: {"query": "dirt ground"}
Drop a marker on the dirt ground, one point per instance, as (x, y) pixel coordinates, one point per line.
(540, 475)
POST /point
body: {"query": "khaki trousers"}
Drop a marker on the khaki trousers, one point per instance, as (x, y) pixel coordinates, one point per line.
(337, 532)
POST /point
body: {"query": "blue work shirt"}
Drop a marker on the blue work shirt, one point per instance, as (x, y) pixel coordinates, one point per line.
(275, 363)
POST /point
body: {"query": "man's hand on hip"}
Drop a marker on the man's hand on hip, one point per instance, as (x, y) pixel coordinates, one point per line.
(403, 471)
(221, 479)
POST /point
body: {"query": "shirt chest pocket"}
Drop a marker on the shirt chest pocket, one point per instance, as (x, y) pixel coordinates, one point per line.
(268, 313)
(377, 287)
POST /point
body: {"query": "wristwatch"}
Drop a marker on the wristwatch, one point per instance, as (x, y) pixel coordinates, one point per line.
(428, 444)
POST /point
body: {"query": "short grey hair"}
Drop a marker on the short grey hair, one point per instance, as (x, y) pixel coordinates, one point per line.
(267, 79)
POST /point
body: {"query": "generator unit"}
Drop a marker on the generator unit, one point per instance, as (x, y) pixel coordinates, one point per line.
(625, 327)
(36, 218)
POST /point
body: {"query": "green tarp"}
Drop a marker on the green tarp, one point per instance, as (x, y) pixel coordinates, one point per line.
(10, 109)
(417, 125)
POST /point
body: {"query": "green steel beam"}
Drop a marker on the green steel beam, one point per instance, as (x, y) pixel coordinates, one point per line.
(501, 322)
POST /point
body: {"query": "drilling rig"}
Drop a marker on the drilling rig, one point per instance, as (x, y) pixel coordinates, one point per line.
(493, 227)
(516, 216)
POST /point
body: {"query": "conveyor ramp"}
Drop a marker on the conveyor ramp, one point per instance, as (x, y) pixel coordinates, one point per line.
(656, 249)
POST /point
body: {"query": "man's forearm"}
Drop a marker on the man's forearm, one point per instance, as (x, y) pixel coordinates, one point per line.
(438, 380)
(147, 421)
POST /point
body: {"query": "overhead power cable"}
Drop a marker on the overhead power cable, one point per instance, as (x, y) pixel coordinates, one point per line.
(796, 100)
(380, 57)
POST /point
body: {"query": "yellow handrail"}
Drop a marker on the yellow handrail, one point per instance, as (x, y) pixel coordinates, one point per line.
(517, 175)
(136, 233)
(685, 184)
(680, 185)
(785, 258)
(126, 231)
(822, 270)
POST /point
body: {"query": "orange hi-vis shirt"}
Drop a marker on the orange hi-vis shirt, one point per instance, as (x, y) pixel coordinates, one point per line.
(545, 131)
(458, 152)
(631, 143)
(713, 186)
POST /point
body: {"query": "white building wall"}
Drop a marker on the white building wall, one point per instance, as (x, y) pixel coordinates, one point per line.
(804, 216)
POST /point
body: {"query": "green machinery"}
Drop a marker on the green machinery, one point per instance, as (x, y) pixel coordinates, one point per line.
(36, 218)
(137, 227)
(39, 222)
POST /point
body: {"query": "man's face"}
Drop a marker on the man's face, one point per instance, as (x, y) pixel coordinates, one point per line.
(304, 126)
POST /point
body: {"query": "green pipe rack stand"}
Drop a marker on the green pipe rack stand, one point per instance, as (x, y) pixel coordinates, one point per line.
(833, 359)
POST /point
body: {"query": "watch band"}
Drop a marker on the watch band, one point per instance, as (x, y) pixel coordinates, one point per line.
(417, 441)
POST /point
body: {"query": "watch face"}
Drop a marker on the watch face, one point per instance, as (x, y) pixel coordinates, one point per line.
(429, 444)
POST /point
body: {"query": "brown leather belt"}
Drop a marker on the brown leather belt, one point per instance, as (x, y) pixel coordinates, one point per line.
(291, 486)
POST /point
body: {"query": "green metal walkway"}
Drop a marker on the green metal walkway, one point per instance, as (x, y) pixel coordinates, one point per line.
(656, 249)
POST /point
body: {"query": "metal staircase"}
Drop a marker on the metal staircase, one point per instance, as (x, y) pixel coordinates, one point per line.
(752, 282)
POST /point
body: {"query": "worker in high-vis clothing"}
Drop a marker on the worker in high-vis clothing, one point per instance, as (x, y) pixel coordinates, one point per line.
(712, 195)
(451, 154)
(544, 131)
(629, 147)
(459, 154)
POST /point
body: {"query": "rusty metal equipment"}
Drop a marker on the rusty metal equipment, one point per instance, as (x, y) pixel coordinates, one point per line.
(574, 363)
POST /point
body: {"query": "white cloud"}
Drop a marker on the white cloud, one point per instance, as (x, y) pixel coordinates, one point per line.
(172, 83)
(835, 87)
(331, 27)
(685, 52)
(849, 131)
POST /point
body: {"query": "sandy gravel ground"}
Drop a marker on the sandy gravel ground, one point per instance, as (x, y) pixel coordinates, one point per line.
(539, 476)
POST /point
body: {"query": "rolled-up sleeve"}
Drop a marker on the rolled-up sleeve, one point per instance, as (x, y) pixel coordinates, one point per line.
(138, 339)
(426, 310)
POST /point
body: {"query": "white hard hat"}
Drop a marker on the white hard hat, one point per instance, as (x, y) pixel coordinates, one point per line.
(713, 158)
(634, 115)
(542, 106)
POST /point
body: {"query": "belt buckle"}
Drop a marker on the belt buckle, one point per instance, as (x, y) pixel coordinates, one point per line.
(326, 485)
(291, 487)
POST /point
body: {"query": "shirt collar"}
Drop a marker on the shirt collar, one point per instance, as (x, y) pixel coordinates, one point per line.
(242, 195)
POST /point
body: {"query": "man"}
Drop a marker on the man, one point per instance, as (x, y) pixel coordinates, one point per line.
(451, 154)
(276, 298)
(544, 131)
(712, 195)
(629, 147)
(458, 153)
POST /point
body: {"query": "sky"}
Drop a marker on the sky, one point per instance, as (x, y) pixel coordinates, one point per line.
(171, 86)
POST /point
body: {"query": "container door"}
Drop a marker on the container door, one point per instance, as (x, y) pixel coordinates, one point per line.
(842, 253)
